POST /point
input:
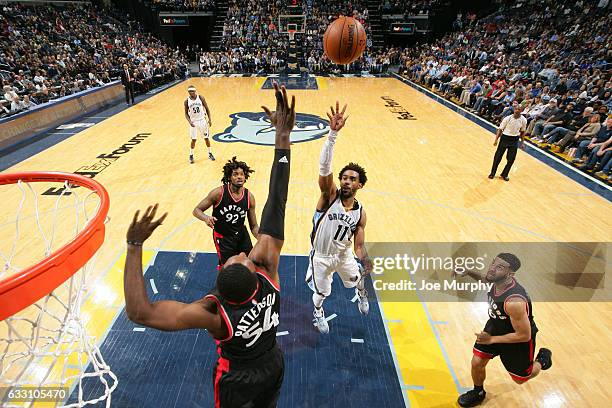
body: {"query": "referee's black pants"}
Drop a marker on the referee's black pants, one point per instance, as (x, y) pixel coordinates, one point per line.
(509, 143)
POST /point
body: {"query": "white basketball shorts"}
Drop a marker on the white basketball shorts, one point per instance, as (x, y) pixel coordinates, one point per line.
(321, 268)
(201, 127)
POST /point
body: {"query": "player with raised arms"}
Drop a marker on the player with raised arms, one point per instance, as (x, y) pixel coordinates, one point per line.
(339, 217)
(242, 312)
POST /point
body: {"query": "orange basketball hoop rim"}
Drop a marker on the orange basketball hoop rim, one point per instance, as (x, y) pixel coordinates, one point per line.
(22, 289)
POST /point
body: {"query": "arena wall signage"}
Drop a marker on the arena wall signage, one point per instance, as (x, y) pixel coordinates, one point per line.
(168, 21)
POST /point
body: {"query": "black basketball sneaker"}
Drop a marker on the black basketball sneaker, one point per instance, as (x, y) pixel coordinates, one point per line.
(471, 398)
(544, 357)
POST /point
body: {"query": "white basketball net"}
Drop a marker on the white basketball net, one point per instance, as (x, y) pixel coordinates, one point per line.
(46, 344)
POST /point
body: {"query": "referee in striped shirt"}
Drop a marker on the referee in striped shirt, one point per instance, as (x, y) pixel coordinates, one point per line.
(511, 128)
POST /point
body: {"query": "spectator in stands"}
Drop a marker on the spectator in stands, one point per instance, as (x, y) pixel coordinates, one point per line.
(593, 145)
(185, 5)
(576, 123)
(586, 131)
(9, 94)
(560, 119)
(548, 111)
(72, 48)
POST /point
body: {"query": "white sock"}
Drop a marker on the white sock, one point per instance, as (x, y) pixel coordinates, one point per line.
(317, 300)
(191, 152)
(209, 152)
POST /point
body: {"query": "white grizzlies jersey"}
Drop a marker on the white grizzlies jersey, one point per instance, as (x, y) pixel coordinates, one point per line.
(333, 229)
(196, 109)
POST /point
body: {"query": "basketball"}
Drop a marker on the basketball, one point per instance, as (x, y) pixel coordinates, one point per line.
(344, 40)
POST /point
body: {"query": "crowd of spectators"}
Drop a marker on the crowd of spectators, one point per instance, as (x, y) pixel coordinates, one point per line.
(184, 5)
(241, 61)
(251, 26)
(252, 42)
(47, 52)
(319, 14)
(406, 7)
(549, 59)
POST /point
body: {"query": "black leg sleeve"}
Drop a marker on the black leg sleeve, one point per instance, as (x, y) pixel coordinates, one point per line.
(273, 217)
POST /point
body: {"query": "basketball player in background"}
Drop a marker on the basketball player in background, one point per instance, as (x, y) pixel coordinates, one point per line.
(510, 332)
(231, 203)
(242, 312)
(339, 217)
(198, 116)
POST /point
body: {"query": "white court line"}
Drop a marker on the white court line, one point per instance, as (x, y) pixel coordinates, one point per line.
(357, 341)
(283, 333)
(327, 319)
(153, 287)
(63, 133)
(138, 329)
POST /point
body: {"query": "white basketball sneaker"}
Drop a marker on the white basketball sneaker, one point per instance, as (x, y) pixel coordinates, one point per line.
(319, 321)
(362, 301)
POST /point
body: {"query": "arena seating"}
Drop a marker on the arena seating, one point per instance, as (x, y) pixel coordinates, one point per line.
(508, 60)
(47, 52)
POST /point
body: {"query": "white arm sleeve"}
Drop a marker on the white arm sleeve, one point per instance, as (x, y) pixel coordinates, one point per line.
(327, 153)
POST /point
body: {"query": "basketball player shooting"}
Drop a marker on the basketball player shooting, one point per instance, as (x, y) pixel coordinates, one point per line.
(242, 312)
(198, 117)
(338, 218)
(510, 332)
(231, 203)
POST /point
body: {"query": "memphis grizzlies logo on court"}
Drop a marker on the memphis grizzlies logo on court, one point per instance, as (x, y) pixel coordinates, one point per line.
(255, 128)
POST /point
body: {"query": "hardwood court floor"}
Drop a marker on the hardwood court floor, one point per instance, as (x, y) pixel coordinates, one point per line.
(426, 182)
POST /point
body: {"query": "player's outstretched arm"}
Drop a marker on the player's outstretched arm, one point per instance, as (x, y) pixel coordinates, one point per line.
(252, 216)
(266, 251)
(163, 315)
(213, 197)
(326, 177)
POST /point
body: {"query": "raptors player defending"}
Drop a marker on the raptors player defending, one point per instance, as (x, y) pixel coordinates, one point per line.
(198, 116)
(339, 217)
(231, 203)
(510, 332)
(242, 312)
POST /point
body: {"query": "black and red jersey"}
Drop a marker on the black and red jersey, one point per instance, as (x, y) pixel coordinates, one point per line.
(251, 324)
(499, 321)
(231, 212)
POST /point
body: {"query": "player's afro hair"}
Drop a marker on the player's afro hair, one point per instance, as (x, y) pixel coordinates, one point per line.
(512, 259)
(356, 168)
(236, 283)
(232, 165)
